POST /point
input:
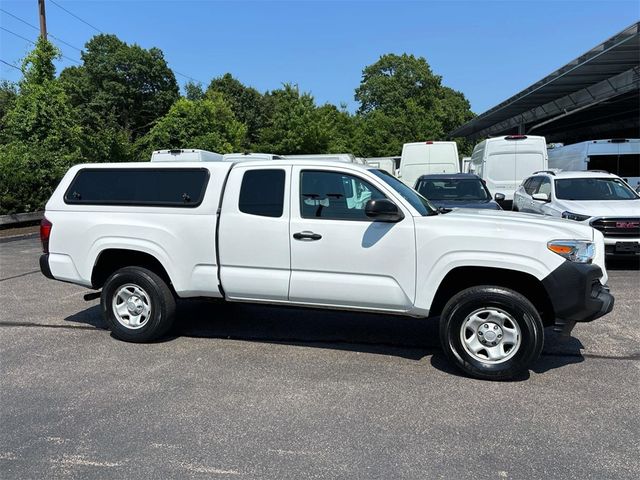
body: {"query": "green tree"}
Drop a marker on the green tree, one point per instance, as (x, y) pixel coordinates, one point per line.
(208, 124)
(41, 137)
(295, 124)
(121, 85)
(340, 128)
(193, 91)
(248, 105)
(402, 100)
(8, 95)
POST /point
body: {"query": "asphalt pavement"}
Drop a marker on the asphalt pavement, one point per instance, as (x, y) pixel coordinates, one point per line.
(258, 392)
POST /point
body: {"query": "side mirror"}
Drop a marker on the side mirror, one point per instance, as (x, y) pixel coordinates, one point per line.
(383, 210)
(499, 197)
(541, 197)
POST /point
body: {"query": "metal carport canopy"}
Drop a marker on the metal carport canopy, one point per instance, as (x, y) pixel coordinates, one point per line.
(604, 72)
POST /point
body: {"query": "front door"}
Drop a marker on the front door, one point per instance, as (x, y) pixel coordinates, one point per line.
(341, 257)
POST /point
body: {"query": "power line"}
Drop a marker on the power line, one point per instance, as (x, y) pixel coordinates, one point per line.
(189, 77)
(17, 35)
(36, 28)
(76, 16)
(10, 64)
(33, 43)
(100, 31)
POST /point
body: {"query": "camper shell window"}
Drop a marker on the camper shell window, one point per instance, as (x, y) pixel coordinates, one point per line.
(162, 187)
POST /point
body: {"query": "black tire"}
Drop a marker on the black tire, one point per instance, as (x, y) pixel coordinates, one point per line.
(465, 303)
(160, 298)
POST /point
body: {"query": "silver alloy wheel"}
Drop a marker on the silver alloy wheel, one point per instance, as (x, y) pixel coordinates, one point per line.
(131, 306)
(490, 335)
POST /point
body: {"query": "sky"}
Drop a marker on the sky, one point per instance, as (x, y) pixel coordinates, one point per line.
(489, 50)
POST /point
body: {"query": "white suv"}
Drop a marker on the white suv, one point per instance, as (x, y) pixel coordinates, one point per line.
(600, 199)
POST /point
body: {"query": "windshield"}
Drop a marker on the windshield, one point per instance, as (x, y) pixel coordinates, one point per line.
(593, 189)
(416, 200)
(457, 189)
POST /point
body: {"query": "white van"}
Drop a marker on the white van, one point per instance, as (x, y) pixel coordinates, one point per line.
(620, 156)
(332, 157)
(504, 162)
(422, 158)
(388, 164)
(185, 155)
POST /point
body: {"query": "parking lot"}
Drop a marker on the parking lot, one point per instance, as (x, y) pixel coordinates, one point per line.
(243, 391)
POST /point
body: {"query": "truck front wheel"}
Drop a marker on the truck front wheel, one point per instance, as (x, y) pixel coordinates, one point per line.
(491, 332)
(137, 305)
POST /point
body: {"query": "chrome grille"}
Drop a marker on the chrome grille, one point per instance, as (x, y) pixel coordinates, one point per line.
(618, 227)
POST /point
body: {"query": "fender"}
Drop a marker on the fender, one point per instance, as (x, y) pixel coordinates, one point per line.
(134, 244)
(429, 279)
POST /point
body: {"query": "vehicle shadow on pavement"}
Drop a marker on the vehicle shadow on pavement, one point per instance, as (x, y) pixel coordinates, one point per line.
(623, 263)
(353, 331)
(406, 337)
(558, 351)
(91, 316)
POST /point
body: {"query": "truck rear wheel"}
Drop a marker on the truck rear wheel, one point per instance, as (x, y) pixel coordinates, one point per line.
(137, 305)
(491, 332)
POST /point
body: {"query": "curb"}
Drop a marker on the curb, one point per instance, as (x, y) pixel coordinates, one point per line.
(25, 236)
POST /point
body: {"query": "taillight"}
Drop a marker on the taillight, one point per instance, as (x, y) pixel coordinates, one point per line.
(429, 142)
(45, 233)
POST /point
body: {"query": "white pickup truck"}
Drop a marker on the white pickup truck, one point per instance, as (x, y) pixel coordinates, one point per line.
(319, 234)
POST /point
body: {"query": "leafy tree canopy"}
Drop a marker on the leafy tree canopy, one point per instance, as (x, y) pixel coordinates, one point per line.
(247, 104)
(121, 83)
(41, 136)
(295, 125)
(208, 124)
(402, 100)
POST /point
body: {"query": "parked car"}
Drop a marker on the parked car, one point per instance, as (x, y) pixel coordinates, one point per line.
(599, 199)
(314, 233)
(620, 156)
(421, 158)
(458, 190)
(504, 162)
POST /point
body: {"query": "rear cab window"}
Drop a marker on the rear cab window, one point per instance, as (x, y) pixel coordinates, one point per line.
(262, 192)
(160, 187)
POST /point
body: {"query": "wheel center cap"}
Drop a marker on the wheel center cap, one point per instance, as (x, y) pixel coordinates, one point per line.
(490, 334)
(134, 305)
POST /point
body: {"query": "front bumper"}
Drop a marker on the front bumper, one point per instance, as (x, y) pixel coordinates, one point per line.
(622, 246)
(576, 293)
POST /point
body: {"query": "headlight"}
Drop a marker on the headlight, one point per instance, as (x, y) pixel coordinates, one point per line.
(575, 216)
(579, 251)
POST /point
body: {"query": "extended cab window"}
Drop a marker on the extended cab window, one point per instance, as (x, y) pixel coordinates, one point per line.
(262, 192)
(162, 187)
(334, 195)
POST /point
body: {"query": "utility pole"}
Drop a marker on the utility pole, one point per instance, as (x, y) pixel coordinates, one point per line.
(43, 19)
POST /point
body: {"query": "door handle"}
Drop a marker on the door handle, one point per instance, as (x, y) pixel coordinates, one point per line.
(306, 235)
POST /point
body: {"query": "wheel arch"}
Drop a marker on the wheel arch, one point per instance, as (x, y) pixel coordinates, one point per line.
(110, 260)
(462, 277)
